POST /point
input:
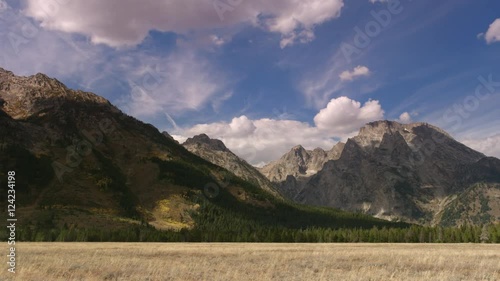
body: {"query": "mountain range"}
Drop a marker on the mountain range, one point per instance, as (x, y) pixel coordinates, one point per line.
(80, 161)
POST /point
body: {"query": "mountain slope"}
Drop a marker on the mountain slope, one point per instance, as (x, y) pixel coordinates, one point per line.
(217, 153)
(479, 204)
(81, 163)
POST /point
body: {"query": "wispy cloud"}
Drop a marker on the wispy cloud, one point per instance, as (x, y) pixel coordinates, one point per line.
(180, 82)
(321, 83)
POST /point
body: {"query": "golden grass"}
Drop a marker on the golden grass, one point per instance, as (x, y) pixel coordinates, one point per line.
(218, 261)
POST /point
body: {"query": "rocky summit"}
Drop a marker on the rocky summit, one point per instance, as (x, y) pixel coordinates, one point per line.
(216, 152)
(296, 166)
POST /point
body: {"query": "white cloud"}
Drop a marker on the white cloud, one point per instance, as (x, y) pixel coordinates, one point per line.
(304, 36)
(217, 40)
(493, 33)
(182, 81)
(263, 140)
(489, 146)
(405, 118)
(343, 115)
(358, 71)
(130, 21)
(381, 1)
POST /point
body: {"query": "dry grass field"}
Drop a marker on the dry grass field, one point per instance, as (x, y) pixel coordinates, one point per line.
(134, 261)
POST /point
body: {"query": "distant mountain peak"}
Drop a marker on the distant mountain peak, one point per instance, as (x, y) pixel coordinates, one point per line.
(214, 151)
(298, 147)
(391, 170)
(299, 162)
(204, 139)
(393, 127)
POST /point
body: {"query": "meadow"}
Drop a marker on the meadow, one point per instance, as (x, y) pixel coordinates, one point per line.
(252, 261)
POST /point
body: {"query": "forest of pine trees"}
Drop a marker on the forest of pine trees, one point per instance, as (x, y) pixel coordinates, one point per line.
(223, 224)
(413, 234)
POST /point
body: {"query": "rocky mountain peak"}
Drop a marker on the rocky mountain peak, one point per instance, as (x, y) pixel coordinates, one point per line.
(395, 170)
(298, 147)
(203, 139)
(5, 72)
(318, 150)
(371, 135)
(27, 96)
(336, 151)
(298, 152)
(214, 151)
(299, 162)
(168, 136)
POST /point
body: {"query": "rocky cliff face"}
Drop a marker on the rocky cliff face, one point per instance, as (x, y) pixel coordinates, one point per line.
(294, 168)
(395, 171)
(216, 152)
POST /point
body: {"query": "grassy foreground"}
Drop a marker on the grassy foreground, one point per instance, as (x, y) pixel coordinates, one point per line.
(217, 261)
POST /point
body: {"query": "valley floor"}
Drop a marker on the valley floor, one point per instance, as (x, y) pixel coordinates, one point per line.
(217, 261)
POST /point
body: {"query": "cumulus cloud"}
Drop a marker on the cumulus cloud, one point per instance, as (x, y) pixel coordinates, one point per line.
(358, 71)
(493, 33)
(130, 21)
(343, 115)
(263, 140)
(405, 118)
(490, 146)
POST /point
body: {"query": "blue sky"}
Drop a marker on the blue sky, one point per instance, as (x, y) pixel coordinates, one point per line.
(264, 76)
